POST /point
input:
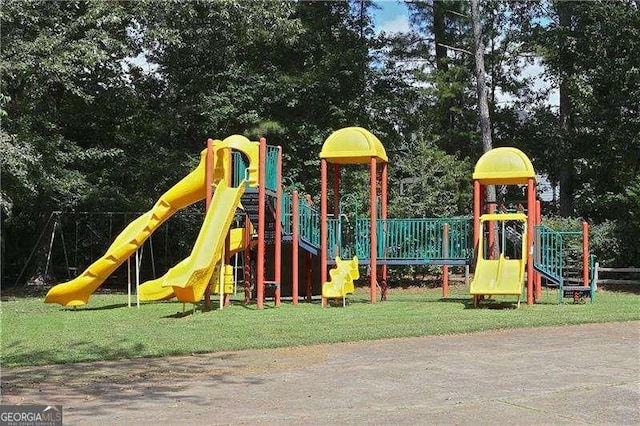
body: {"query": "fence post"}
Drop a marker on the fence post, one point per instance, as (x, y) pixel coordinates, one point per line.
(294, 237)
(585, 254)
(445, 254)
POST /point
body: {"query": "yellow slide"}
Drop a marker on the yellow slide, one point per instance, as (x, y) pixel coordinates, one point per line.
(153, 289)
(186, 192)
(190, 278)
(500, 276)
(189, 190)
(342, 277)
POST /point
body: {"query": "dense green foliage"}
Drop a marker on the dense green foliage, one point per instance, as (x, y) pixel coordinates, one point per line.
(106, 105)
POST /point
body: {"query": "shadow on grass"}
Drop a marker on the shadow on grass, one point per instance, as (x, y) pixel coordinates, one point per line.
(467, 302)
(483, 304)
(95, 308)
(492, 304)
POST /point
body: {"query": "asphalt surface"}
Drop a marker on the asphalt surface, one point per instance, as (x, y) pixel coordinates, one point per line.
(587, 374)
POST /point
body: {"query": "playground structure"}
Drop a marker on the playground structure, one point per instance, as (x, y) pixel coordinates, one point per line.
(241, 182)
(541, 253)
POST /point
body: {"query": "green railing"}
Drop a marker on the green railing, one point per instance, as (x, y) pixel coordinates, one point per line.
(309, 224)
(417, 240)
(335, 247)
(551, 253)
(400, 241)
(286, 213)
(548, 256)
(271, 178)
(240, 166)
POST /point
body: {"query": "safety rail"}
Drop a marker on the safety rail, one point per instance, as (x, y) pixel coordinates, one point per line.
(549, 258)
(239, 168)
(286, 214)
(418, 240)
(438, 241)
(335, 246)
(309, 224)
(271, 178)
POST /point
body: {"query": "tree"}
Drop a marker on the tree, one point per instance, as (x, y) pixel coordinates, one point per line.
(63, 89)
(591, 54)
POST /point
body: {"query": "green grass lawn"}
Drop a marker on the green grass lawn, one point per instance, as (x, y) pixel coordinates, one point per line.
(34, 333)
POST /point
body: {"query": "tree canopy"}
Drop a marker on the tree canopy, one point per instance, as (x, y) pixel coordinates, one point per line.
(104, 105)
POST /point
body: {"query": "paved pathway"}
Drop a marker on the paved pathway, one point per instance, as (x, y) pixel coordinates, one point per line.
(588, 374)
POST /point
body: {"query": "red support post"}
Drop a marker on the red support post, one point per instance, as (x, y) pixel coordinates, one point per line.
(477, 196)
(295, 234)
(278, 230)
(208, 184)
(536, 275)
(374, 237)
(323, 225)
(531, 216)
(261, 223)
(336, 190)
(445, 254)
(383, 215)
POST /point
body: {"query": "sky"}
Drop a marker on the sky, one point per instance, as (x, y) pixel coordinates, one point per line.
(391, 17)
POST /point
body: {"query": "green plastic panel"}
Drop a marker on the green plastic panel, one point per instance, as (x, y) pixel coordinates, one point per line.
(416, 240)
(271, 165)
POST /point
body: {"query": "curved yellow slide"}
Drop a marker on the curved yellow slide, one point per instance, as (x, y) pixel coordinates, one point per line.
(153, 289)
(190, 278)
(186, 192)
(342, 277)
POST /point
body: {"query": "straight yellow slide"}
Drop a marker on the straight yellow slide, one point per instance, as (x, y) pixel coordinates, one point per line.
(498, 277)
(190, 278)
(153, 289)
(186, 192)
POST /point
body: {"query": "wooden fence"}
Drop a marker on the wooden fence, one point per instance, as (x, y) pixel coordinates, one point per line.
(616, 272)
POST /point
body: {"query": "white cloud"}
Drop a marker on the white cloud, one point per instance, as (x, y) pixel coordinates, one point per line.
(538, 82)
(398, 24)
